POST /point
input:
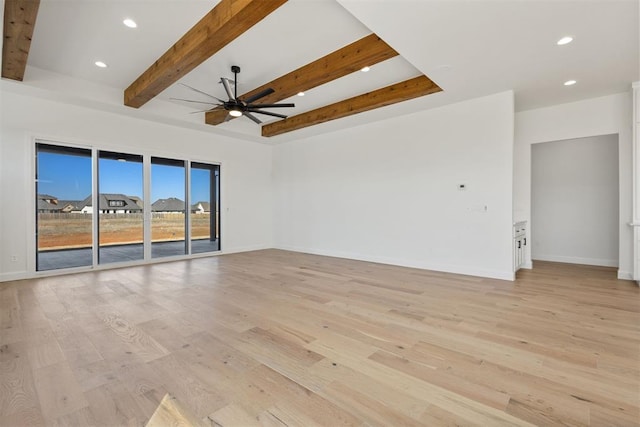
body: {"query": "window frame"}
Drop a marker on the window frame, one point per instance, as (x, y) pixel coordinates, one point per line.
(147, 154)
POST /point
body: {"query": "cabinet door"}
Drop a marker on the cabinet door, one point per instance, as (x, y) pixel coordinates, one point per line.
(519, 243)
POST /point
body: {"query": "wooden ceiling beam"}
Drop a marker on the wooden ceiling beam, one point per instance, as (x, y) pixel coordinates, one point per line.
(367, 51)
(223, 24)
(403, 91)
(19, 23)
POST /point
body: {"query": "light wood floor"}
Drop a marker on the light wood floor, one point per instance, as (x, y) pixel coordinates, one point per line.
(283, 339)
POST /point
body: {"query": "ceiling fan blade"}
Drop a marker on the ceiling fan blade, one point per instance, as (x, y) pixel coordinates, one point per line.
(270, 105)
(204, 93)
(201, 111)
(268, 113)
(197, 102)
(227, 88)
(259, 95)
(252, 117)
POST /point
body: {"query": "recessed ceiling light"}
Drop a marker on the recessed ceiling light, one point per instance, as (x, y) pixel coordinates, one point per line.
(564, 40)
(365, 69)
(300, 93)
(235, 113)
(570, 82)
(130, 23)
(101, 64)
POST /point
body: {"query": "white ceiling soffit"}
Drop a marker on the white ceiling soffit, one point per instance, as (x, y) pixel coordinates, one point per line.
(477, 47)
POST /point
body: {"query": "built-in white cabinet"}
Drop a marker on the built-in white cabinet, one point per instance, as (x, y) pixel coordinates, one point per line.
(519, 245)
(636, 181)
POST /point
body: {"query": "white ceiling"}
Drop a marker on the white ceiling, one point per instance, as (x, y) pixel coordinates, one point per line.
(470, 48)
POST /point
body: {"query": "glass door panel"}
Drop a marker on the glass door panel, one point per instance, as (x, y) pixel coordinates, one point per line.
(204, 208)
(120, 207)
(65, 207)
(64, 235)
(168, 219)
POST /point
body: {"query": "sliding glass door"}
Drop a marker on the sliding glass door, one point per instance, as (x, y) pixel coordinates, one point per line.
(120, 207)
(64, 214)
(168, 196)
(205, 235)
(140, 207)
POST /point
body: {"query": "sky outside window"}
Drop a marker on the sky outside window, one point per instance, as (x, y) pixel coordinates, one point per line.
(64, 177)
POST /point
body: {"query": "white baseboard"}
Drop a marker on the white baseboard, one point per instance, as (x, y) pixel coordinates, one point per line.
(245, 249)
(625, 275)
(423, 265)
(577, 260)
(447, 268)
(8, 277)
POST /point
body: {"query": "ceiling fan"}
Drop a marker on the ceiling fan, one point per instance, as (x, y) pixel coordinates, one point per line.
(235, 106)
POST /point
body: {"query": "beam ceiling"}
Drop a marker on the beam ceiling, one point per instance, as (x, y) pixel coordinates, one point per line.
(367, 51)
(19, 23)
(231, 18)
(223, 24)
(403, 91)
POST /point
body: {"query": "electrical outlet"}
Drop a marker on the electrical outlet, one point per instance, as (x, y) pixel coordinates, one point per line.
(462, 187)
(14, 258)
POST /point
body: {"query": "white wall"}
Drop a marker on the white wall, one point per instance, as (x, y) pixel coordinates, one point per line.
(246, 217)
(597, 116)
(387, 191)
(574, 201)
(384, 192)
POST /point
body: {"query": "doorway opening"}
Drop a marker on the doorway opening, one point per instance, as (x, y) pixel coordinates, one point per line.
(575, 201)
